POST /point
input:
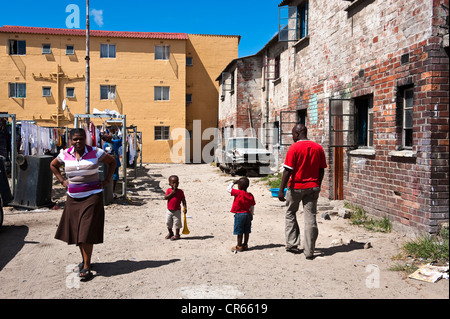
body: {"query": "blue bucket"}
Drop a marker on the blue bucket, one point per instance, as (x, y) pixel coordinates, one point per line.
(275, 191)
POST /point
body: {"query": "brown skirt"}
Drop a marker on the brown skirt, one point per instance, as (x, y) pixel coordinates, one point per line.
(82, 220)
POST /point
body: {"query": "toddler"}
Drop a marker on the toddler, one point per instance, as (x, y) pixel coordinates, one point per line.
(243, 209)
(174, 197)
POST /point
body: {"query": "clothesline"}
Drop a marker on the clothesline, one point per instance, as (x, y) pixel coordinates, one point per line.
(37, 140)
(93, 138)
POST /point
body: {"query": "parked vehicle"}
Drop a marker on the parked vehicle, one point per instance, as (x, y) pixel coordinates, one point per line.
(242, 154)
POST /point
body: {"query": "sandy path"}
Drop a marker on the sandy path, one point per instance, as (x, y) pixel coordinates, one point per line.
(136, 261)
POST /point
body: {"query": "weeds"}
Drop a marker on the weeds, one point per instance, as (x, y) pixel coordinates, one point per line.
(430, 247)
(274, 181)
(425, 249)
(359, 217)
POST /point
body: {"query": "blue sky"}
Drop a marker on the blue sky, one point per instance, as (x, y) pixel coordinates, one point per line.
(256, 21)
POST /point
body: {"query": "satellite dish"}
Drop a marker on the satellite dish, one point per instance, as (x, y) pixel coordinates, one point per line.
(64, 105)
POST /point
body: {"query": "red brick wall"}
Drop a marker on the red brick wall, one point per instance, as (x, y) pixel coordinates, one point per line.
(410, 191)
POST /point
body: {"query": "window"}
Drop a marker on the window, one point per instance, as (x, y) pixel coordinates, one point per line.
(364, 121)
(227, 82)
(162, 93)
(301, 116)
(189, 61)
(70, 92)
(162, 133)
(46, 91)
(162, 52)
(46, 49)
(405, 103)
(107, 51)
(302, 20)
(17, 47)
(70, 50)
(277, 68)
(107, 92)
(18, 90)
(188, 98)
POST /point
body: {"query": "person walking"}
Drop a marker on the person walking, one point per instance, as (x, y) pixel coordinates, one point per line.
(83, 217)
(304, 168)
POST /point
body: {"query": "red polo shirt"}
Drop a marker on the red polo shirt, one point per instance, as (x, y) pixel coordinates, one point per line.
(305, 158)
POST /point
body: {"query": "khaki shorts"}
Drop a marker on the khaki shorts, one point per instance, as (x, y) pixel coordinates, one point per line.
(173, 217)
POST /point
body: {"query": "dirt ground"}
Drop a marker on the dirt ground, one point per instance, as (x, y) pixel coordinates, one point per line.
(135, 261)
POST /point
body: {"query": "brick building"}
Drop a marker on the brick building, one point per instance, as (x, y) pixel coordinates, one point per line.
(254, 90)
(370, 80)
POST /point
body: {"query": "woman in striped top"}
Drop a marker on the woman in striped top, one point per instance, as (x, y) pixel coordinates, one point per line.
(82, 221)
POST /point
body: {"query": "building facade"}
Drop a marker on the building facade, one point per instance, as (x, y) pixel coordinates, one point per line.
(369, 78)
(160, 81)
(254, 90)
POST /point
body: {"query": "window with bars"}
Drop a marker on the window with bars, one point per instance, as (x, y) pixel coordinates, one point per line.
(107, 92)
(277, 67)
(18, 90)
(46, 91)
(162, 93)
(70, 50)
(405, 103)
(364, 121)
(107, 51)
(162, 133)
(17, 47)
(46, 48)
(162, 52)
(70, 92)
(188, 99)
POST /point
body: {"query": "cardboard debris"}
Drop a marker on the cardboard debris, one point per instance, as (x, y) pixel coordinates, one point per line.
(429, 273)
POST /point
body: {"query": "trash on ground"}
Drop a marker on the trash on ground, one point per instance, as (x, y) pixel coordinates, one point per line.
(430, 273)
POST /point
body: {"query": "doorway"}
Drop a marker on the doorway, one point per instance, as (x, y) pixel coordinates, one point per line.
(341, 137)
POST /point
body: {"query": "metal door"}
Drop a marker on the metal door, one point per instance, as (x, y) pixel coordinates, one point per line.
(288, 119)
(341, 136)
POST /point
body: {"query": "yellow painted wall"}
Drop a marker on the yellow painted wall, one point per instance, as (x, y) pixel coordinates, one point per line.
(134, 72)
(211, 54)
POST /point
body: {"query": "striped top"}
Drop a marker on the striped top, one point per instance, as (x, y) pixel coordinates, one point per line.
(84, 179)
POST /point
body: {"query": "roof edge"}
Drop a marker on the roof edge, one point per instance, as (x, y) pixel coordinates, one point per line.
(94, 33)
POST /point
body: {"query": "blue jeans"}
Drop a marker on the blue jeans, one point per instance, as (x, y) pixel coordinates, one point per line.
(242, 223)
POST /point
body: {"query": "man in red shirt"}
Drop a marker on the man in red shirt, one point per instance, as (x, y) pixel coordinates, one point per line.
(305, 165)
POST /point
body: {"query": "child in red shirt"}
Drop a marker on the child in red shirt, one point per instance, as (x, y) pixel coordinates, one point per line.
(174, 197)
(243, 209)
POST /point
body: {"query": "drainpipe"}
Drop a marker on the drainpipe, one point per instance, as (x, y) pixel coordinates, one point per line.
(57, 95)
(267, 100)
(87, 111)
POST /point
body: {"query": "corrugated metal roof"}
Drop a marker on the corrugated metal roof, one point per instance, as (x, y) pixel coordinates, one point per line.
(95, 33)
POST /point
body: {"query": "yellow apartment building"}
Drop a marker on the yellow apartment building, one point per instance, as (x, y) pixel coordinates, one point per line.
(160, 81)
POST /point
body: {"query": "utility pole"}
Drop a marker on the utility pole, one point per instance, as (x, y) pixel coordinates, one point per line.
(87, 111)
